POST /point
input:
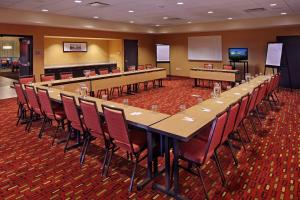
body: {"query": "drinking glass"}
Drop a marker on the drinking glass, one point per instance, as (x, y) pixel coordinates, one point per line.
(154, 107)
(126, 102)
(243, 81)
(228, 87)
(104, 97)
(182, 107)
(237, 84)
(199, 99)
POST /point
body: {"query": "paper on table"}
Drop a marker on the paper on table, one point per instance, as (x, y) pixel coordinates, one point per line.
(219, 102)
(188, 119)
(195, 95)
(237, 93)
(135, 113)
(205, 109)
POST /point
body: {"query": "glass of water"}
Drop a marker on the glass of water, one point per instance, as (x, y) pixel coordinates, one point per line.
(154, 107)
(104, 97)
(199, 99)
(228, 87)
(126, 102)
(182, 107)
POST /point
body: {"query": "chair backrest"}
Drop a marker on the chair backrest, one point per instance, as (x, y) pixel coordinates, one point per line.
(47, 77)
(261, 93)
(66, 75)
(32, 98)
(103, 71)
(277, 79)
(141, 67)
(117, 127)
(93, 73)
(131, 68)
(91, 117)
(117, 70)
(20, 94)
(27, 79)
(228, 67)
(149, 66)
(208, 66)
(215, 134)
(45, 103)
(242, 111)
(71, 111)
(252, 100)
(271, 85)
(232, 115)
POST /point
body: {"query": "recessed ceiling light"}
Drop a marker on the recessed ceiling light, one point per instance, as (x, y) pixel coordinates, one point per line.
(283, 13)
(131, 11)
(131, 22)
(44, 10)
(210, 12)
(157, 25)
(229, 18)
(273, 4)
(179, 3)
(78, 1)
(165, 17)
(189, 22)
(96, 17)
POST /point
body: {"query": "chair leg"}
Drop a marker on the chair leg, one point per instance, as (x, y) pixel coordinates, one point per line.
(68, 139)
(252, 125)
(257, 113)
(43, 127)
(85, 150)
(245, 130)
(55, 133)
(232, 153)
(238, 133)
(108, 162)
(30, 121)
(133, 173)
(104, 160)
(202, 182)
(220, 169)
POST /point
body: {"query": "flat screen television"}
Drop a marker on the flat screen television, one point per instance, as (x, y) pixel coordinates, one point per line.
(237, 54)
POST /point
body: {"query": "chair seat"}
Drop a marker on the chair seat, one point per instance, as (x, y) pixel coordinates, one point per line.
(138, 139)
(59, 113)
(193, 150)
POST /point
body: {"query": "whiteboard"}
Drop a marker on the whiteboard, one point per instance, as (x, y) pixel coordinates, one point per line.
(162, 53)
(274, 53)
(207, 48)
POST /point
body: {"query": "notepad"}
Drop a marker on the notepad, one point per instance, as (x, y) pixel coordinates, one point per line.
(188, 119)
(219, 102)
(244, 89)
(195, 95)
(237, 93)
(135, 113)
(205, 109)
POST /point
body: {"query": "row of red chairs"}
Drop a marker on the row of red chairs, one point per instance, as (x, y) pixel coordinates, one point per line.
(85, 124)
(207, 142)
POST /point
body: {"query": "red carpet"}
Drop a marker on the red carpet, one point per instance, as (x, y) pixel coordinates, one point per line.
(30, 168)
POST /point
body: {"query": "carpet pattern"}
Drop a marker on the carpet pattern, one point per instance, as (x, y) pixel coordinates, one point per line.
(30, 168)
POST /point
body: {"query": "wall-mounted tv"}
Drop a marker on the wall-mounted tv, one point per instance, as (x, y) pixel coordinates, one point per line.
(237, 54)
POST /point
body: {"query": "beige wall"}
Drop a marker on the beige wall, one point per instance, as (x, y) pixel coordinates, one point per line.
(11, 41)
(116, 52)
(255, 40)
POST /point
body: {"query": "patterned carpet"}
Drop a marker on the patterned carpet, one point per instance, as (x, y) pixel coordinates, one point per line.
(30, 168)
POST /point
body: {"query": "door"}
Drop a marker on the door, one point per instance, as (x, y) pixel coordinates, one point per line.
(26, 56)
(130, 53)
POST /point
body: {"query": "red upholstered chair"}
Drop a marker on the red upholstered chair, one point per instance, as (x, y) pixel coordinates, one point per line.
(27, 79)
(224, 83)
(33, 104)
(259, 100)
(142, 67)
(242, 115)
(132, 141)
(22, 102)
(50, 112)
(66, 75)
(131, 68)
(208, 66)
(149, 66)
(94, 127)
(197, 151)
(47, 77)
(93, 73)
(74, 121)
(119, 89)
(105, 91)
(227, 67)
(251, 106)
(103, 71)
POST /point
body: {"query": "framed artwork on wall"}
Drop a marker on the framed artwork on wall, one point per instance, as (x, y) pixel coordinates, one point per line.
(75, 46)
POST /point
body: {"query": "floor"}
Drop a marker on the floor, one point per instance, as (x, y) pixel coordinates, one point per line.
(5, 88)
(30, 168)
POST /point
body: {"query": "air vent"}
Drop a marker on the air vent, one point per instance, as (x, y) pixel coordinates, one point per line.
(98, 4)
(252, 10)
(174, 19)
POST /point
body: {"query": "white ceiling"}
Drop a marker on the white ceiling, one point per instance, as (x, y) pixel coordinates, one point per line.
(151, 12)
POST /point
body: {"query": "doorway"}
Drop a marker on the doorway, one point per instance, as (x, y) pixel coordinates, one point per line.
(130, 53)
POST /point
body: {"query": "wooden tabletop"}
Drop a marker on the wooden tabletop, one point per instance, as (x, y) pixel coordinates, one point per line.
(215, 69)
(186, 124)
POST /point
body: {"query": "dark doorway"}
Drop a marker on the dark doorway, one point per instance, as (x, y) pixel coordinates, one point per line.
(130, 53)
(291, 59)
(16, 55)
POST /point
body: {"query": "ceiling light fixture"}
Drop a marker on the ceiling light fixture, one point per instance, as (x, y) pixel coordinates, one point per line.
(130, 11)
(283, 13)
(273, 4)
(229, 18)
(179, 3)
(96, 17)
(189, 22)
(165, 18)
(157, 25)
(44, 10)
(210, 12)
(77, 1)
(131, 22)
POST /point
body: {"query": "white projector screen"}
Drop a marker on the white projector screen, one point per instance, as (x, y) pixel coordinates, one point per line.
(274, 53)
(162, 53)
(207, 48)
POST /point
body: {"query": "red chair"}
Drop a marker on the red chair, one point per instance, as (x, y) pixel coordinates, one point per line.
(149, 66)
(142, 67)
(66, 75)
(119, 89)
(50, 113)
(224, 83)
(105, 91)
(132, 141)
(227, 67)
(259, 100)
(93, 73)
(103, 71)
(27, 79)
(131, 68)
(47, 77)
(197, 151)
(94, 127)
(251, 106)
(33, 104)
(74, 121)
(22, 102)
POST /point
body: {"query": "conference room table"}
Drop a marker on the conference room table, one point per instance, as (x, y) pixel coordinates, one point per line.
(184, 125)
(213, 75)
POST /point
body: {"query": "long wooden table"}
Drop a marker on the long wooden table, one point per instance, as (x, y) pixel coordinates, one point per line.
(213, 74)
(185, 125)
